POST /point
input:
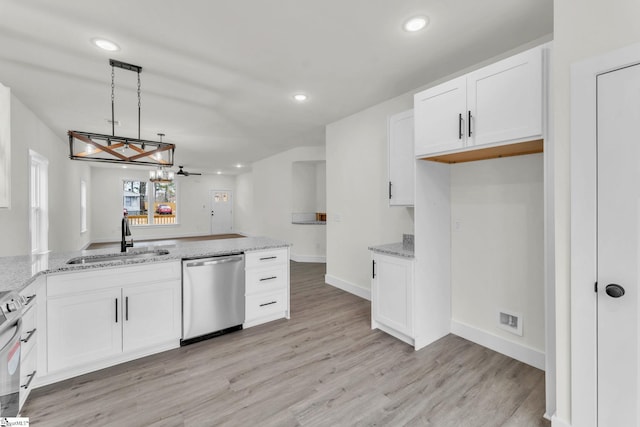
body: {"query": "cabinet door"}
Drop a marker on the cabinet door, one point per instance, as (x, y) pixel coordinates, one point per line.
(505, 100)
(392, 293)
(151, 315)
(84, 328)
(401, 159)
(440, 118)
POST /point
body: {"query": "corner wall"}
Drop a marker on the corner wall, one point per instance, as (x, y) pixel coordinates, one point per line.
(266, 200)
(497, 250)
(358, 212)
(29, 132)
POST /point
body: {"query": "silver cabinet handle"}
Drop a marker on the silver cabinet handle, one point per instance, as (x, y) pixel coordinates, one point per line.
(264, 279)
(268, 258)
(29, 335)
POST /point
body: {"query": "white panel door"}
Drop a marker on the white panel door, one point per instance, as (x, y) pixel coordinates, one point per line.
(84, 328)
(439, 115)
(618, 149)
(221, 212)
(151, 315)
(504, 100)
(392, 293)
(401, 159)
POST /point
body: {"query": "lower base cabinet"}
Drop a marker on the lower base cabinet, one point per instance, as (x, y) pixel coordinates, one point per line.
(29, 338)
(98, 318)
(266, 286)
(392, 296)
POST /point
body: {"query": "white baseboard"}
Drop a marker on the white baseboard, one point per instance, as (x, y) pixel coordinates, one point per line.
(347, 286)
(516, 351)
(308, 258)
(558, 422)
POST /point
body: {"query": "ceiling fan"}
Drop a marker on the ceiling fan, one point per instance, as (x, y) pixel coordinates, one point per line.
(186, 173)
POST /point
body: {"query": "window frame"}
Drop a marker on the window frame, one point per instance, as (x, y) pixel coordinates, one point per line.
(150, 194)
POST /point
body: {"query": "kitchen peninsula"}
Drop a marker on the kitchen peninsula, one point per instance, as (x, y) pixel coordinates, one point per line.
(108, 307)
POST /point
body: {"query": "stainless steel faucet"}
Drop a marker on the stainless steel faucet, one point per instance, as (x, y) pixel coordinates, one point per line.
(125, 232)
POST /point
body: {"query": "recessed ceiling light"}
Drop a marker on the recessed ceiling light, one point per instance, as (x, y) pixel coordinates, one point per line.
(416, 23)
(300, 97)
(238, 165)
(219, 173)
(105, 44)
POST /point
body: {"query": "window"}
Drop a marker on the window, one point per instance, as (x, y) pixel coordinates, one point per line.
(149, 203)
(83, 206)
(39, 203)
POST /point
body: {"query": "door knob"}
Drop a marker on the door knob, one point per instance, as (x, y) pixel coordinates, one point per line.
(614, 291)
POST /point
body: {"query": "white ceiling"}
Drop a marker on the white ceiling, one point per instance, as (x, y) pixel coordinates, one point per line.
(218, 76)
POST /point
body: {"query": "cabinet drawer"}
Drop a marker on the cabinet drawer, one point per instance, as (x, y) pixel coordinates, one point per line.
(29, 331)
(265, 305)
(266, 279)
(104, 278)
(28, 367)
(266, 258)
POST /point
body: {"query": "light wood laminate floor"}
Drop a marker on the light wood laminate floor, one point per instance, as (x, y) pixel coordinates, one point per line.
(323, 367)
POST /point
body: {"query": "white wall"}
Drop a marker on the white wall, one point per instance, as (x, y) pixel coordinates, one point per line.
(497, 245)
(29, 132)
(304, 189)
(582, 29)
(358, 209)
(321, 187)
(267, 203)
(194, 204)
(244, 215)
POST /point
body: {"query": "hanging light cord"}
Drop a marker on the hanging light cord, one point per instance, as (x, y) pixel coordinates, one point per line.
(113, 117)
(139, 104)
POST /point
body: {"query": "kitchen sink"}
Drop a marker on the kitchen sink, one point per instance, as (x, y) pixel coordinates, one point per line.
(118, 256)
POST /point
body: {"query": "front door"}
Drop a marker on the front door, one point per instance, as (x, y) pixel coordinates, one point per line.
(618, 253)
(221, 212)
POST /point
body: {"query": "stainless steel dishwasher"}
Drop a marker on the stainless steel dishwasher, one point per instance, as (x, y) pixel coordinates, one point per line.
(212, 297)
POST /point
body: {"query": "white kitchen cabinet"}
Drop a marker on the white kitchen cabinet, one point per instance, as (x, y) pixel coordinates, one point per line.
(266, 286)
(499, 104)
(83, 328)
(438, 116)
(150, 313)
(505, 100)
(392, 296)
(102, 317)
(401, 159)
(29, 338)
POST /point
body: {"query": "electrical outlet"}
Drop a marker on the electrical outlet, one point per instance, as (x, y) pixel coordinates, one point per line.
(510, 321)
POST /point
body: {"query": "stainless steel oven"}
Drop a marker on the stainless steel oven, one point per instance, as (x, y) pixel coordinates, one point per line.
(11, 304)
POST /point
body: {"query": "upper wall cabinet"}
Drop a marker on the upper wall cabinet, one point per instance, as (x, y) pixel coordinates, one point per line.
(401, 159)
(498, 104)
(5, 146)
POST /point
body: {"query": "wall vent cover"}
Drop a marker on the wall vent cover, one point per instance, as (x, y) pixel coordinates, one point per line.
(510, 321)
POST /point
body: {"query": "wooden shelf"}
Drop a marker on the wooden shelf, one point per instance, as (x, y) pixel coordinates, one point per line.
(518, 149)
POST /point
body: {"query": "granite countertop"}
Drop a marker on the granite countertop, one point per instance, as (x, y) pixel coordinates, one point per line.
(310, 222)
(17, 272)
(396, 249)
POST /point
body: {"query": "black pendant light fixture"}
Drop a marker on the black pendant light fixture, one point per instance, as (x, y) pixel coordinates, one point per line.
(96, 147)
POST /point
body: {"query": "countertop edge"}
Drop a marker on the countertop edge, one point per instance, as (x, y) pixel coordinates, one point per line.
(394, 249)
(18, 270)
